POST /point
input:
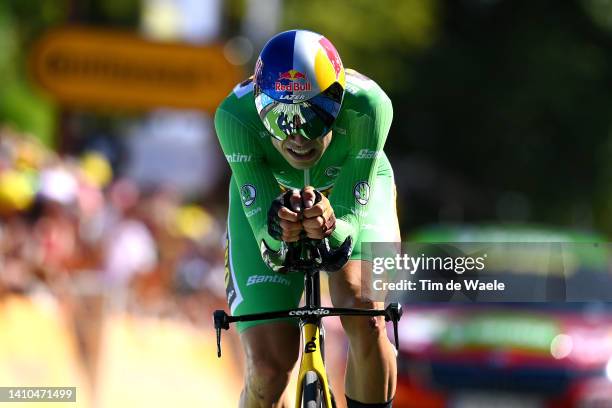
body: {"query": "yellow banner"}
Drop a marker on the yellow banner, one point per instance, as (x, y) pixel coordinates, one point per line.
(88, 67)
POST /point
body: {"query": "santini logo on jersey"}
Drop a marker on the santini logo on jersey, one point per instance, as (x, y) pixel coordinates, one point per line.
(256, 279)
(368, 154)
(238, 158)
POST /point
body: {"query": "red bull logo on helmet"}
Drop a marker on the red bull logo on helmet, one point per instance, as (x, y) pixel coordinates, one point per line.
(292, 75)
(292, 81)
(332, 54)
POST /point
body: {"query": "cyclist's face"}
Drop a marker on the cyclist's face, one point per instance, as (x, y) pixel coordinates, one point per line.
(300, 152)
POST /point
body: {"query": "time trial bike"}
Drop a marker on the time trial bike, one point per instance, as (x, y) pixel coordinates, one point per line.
(313, 389)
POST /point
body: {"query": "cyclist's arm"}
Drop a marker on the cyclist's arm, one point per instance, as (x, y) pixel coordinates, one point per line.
(257, 185)
(368, 133)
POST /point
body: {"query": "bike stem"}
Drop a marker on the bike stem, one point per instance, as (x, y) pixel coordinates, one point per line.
(312, 288)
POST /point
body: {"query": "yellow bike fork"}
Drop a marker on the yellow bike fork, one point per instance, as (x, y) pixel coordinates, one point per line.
(312, 360)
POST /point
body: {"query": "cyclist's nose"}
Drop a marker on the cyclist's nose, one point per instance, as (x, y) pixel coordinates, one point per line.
(299, 139)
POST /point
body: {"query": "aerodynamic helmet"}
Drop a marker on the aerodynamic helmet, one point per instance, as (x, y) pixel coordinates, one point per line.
(298, 84)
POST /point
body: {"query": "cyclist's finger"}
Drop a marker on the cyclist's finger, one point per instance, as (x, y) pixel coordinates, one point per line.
(285, 213)
(296, 201)
(315, 234)
(313, 223)
(290, 226)
(291, 237)
(315, 210)
(308, 196)
(328, 212)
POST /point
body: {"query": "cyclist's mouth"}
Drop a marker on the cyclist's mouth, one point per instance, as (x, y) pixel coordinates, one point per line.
(301, 154)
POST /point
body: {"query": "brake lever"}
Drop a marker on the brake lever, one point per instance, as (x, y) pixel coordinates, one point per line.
(221, 320)
(394, 313)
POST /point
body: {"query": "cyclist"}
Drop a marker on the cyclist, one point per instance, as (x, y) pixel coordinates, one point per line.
(304, 139)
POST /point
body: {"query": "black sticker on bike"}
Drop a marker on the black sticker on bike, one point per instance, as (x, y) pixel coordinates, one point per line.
(311, 346)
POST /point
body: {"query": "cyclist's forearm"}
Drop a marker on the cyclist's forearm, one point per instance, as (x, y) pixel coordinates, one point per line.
(255, 181)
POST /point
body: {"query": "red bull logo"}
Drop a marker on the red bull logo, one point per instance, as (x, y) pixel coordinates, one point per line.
(292, 81)
(332, 54)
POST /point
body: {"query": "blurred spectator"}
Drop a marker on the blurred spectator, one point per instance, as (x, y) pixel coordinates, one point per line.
(129, 248)
(99, 244)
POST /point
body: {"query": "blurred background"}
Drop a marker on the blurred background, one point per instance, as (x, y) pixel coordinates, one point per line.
(113, 189)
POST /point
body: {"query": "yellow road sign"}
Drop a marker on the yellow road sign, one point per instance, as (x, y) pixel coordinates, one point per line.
(113, 69)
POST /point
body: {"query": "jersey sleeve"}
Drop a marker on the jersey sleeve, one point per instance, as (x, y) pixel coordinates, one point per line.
(351, 194)
(256, 183)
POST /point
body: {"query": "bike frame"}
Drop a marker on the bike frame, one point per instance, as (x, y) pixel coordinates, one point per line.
(311, 328)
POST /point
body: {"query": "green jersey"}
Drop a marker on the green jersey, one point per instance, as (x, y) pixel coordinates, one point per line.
(347, 170)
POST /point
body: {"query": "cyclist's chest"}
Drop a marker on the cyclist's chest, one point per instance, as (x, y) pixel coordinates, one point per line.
(322, 176)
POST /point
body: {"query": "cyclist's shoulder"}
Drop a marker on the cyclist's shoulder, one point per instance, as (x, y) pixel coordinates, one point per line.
(363, 95)
(239, 105)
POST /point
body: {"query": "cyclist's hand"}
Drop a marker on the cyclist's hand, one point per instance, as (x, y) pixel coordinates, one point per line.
(283, 217)
(319, 220)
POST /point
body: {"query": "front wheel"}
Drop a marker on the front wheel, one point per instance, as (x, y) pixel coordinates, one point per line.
(311, 391)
